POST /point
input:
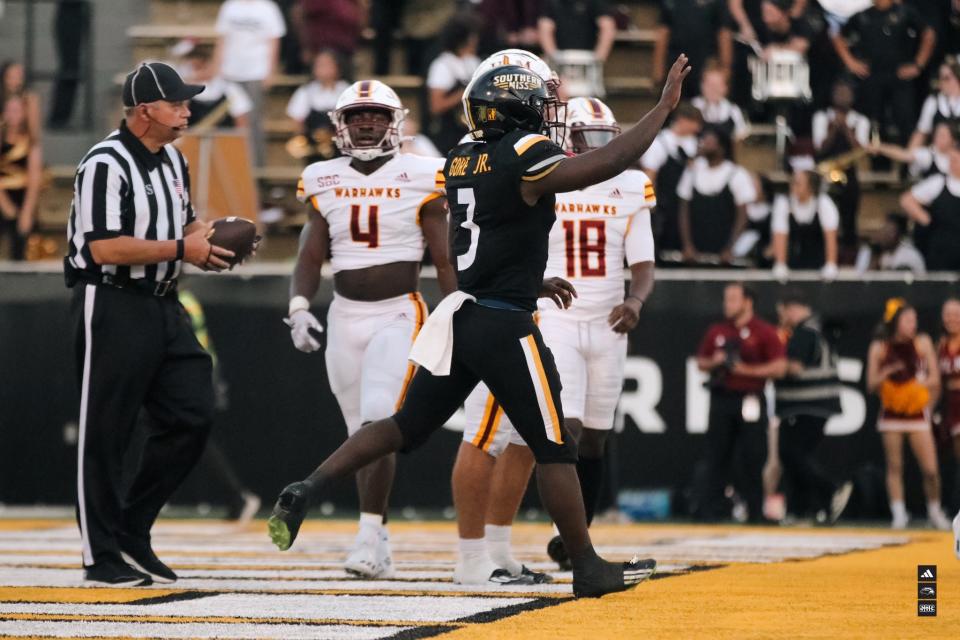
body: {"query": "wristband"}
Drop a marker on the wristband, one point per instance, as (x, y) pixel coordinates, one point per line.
(180, 245)
(297, 303)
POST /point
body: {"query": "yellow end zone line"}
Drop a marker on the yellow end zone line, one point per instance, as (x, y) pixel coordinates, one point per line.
(869, 594)
(80, 594)
(140, 619)
(33, 524)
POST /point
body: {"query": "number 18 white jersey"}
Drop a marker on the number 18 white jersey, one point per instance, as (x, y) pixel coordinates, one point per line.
(374, 219)
(596, 229)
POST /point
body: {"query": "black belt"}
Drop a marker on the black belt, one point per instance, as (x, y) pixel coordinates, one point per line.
(160, 289)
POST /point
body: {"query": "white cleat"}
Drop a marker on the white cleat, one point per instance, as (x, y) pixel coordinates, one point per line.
(362, 561)
(386, 570)
(939, 520)
(475, 572)
(900, 522)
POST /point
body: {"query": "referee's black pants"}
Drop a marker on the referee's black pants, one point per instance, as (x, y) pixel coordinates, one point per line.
(811, 487)
(731, 439)
(135, 350)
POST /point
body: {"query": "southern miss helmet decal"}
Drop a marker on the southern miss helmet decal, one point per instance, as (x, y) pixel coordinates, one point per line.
(509, 98)
(517, 81)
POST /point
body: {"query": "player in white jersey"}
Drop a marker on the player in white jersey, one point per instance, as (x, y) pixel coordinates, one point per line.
(597, 230)
(372, 212)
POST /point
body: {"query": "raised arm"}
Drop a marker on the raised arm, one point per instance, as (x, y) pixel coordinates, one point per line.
(619, 154)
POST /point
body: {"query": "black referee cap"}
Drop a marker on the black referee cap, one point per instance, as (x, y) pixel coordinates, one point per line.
(152, 81)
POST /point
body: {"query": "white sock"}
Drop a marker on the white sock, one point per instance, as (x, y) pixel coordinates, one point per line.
(371, 521)
(498, 546)
(473, 551)
(933, 506)
(898, 509)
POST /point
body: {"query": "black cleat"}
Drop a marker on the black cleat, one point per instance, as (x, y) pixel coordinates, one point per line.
(139, 554)
(604, 577)
(504, 577)
(558, 553)
(538, 577)
(288, 514)
(116, 572)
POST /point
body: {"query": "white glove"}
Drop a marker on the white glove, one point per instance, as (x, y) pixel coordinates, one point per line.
(829, 272)
(781, 272)
(300, 323)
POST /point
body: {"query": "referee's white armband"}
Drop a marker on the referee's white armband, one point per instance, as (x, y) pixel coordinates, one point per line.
(297, 303)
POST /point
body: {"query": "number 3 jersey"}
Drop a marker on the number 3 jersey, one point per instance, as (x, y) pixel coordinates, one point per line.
(500, 242)
(596, 229)
(374, 219)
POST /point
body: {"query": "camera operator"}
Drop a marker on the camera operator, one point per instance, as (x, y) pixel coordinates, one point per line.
(740, 354)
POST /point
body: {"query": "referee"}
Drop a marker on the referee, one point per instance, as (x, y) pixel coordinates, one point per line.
(131, 227)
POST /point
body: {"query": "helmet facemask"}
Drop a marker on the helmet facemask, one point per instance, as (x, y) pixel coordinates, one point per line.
(368, 131)
(589, 137)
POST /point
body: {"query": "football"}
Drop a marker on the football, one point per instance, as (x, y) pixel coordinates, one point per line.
(236, 234)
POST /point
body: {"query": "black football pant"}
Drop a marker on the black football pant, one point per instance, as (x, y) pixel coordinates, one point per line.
(733, 442)
(798, 440)
(505, 350)
(135, 350)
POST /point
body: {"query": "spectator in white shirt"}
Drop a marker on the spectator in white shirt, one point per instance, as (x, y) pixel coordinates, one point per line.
(714, 193)
(804, 226)
(935, 204)
(448, 76)
(836, 131)
(664, 163)
(248, 50)
(943, 106)
(716, 108)
(891, 250)
(924, 161)
(310, 103)
(221, 104)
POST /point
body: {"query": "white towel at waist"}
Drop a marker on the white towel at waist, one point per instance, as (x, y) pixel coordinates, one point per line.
(433, 348)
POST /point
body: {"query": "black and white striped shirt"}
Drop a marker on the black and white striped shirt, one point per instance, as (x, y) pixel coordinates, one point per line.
(122, 189)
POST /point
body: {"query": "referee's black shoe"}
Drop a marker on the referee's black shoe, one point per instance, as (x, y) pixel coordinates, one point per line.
(139, 553)
(288, 514)
(116, 572)
(601, 577)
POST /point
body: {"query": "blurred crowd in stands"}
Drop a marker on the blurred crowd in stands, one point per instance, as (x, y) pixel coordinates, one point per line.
(854, 95)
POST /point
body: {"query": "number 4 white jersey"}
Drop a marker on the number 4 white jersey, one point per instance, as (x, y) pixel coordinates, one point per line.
(596, 229)
(374, 219)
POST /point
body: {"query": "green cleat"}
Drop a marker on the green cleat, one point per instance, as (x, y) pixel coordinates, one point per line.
(288, 515)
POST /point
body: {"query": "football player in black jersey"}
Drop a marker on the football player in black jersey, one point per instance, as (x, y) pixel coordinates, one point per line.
(500, 189)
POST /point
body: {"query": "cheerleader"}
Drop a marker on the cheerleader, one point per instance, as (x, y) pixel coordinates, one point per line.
(948, 355)
(902, 369)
